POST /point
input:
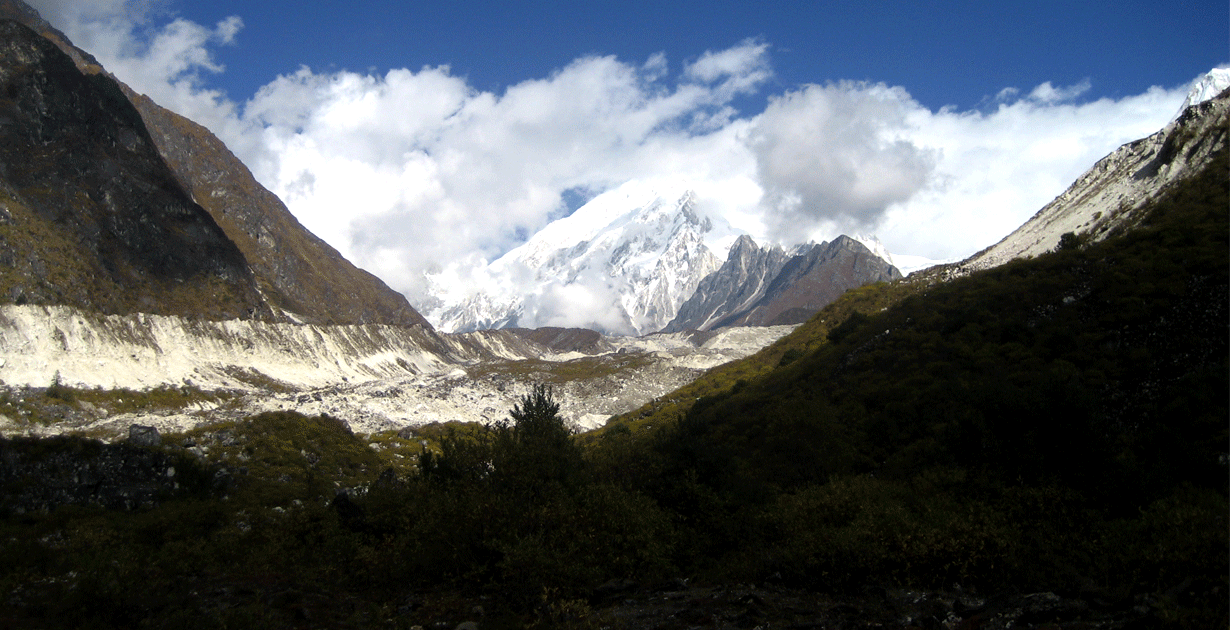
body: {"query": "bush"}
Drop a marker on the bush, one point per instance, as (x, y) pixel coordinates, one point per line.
(60, 391)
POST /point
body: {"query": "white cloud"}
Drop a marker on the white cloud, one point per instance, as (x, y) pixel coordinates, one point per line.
(855, 157)
(837, 154)
(994, 170)
(1050, 95)
(741, 69)
(167, 60)
(416, 170)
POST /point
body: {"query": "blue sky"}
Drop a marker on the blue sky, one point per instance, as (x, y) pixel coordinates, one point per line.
(944, 53)
(425, 139)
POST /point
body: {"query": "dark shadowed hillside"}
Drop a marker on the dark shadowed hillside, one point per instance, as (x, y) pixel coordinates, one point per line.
(293, 270)
(1033, 424)
(1036, 445)
(90, 215)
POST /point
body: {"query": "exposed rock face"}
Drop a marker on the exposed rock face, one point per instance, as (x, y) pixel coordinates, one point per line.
(734, 288)
(1106, 198)
(21, 12)
(141, 435)
(762, 287)
(814, 279)
(90, 215)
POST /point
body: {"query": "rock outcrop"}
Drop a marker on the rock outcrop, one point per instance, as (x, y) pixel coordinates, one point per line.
(766, 287)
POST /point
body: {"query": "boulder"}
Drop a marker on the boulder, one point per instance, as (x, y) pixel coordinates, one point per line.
(141, 435)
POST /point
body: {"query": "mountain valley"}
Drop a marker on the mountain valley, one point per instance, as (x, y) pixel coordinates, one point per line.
(94, 303)
(210, 419)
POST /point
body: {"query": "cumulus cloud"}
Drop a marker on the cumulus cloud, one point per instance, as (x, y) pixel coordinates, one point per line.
(1049, 94)
(411, 171)
(736, 70)
(852, 157)
(838, 154)
(415, 172)
(995, 169)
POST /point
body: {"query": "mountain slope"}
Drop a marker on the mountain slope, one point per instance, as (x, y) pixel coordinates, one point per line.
(1125, 340)
(623, 263)
(298, 272)
(766, 288)
(298, 275)
(1053, 423)
(1108, 196)
(1199, 134)
(816, 278)
(92, 217)
(637, 260)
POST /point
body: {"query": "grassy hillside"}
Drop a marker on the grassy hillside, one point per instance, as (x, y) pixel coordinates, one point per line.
(1027, 370)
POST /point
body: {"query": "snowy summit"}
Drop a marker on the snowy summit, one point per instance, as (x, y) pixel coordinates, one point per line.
(622, 264)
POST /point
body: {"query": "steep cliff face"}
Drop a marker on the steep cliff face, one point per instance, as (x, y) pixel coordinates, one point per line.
(766, 287)
(90, 215)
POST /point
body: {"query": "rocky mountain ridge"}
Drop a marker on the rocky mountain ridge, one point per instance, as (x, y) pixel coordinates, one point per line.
(92, 217)
(629, 258)
(645, 253)
(767, 287)
(1106, 198)
(733, 288)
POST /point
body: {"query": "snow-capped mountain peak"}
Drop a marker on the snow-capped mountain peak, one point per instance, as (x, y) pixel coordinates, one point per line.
(1207, 87)
(872, 242)
(622, 263)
